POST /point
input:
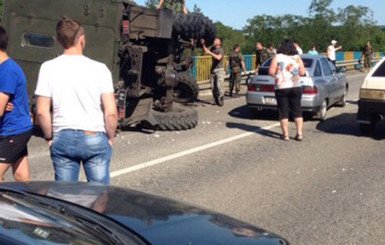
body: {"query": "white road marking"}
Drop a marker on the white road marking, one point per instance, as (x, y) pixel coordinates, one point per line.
(187, 152)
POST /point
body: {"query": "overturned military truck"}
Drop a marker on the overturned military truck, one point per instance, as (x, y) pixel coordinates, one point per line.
(148, 52)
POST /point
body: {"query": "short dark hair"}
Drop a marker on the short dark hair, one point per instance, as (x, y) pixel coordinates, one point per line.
(287, 47)
(235, 46)
(68, 32)
(3, 39)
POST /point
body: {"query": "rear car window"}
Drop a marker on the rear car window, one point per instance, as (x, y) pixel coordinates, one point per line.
(380, 71)
(317, 70)
(325, 67)
(307, 63)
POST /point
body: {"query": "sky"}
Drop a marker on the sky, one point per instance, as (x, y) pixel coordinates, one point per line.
(235, 13)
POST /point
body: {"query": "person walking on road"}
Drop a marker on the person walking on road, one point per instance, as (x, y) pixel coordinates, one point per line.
(217, 71)
(236, 64)
(175, 5)
(15, 120)
(287, 67)
(262, 54)
(331, 53)
(367, 55)
(84, 120)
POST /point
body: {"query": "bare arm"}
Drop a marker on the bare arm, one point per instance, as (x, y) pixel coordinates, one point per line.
(273, 67)
(43, 105)
(4, 98)
(184, 7)
(160, 4)
(110, 115)
(243, 66)
(340, 47)
(301, 68)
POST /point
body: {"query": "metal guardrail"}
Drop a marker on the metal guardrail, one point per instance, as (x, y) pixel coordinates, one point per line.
(355, 63)
(202, 64)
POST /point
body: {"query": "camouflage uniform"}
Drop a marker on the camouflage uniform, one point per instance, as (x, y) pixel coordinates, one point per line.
(262, 56)
(367, 53)
(175, 5)
(235, 62)
(217, 74)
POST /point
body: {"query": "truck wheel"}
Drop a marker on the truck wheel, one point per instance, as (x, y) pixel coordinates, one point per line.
(195, 26)
(186, 90)
(179, 119)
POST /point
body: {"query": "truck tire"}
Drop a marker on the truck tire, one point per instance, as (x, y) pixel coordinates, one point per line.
(194, 26)
(186, 89)
(179, 119)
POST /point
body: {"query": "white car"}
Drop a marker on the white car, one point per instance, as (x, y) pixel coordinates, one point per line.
(371, 104)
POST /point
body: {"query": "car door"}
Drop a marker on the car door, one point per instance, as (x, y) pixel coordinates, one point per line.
(340, 81)
(330, 80)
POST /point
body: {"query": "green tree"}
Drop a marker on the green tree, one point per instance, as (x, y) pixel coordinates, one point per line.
(151, 3)
(1, 9)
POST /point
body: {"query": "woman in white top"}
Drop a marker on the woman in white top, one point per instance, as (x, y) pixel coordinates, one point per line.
(287, 67)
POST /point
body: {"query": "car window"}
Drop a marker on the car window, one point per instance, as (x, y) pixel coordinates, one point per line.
(307, 63)
(317, 70)
(380, 71)
(325, 67)
(267, 63)
(332, 66)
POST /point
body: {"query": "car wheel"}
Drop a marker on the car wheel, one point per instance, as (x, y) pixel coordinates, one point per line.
(323, 110)
(342, 102)
(366, 129)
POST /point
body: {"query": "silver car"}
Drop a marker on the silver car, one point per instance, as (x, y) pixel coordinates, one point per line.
(324, 86)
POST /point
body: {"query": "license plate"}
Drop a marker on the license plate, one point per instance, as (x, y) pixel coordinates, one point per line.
(270, 100)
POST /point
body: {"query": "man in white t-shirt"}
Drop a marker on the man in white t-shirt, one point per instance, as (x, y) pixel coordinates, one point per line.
(332, 51)
(84, 118)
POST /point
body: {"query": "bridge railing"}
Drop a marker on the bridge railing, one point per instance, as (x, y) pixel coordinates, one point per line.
(202, 64)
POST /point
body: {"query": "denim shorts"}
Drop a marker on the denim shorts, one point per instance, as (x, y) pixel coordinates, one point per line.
(70, 148)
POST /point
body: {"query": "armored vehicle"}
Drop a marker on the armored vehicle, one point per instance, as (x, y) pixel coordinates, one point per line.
(148, 52)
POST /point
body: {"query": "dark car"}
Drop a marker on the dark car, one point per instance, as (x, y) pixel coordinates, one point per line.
(84, 213)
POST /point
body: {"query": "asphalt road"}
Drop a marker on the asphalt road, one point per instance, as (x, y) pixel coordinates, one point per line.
(328, 189)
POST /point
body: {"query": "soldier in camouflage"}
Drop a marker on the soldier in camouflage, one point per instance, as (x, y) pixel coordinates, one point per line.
(262, 54)
(217, 71)
(366, 55)
(236, 64)
(174, 5)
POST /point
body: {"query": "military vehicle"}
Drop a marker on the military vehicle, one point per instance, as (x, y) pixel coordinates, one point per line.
(148, 52)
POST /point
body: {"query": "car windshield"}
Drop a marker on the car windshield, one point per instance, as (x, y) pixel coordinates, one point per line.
(28, 221)
(380, 71)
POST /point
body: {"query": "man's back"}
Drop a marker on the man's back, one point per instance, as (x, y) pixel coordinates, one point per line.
(75, 84)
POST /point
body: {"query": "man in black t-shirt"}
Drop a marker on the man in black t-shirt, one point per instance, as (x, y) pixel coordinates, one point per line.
(217, 71)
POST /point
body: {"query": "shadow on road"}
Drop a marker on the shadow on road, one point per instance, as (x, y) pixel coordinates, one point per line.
(243, 112)
(346, 124)
(254, 129)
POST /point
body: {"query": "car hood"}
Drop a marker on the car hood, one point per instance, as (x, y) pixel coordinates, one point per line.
(158, 220)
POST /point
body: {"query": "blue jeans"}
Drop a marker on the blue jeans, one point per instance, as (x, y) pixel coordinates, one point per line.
(70, 148)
